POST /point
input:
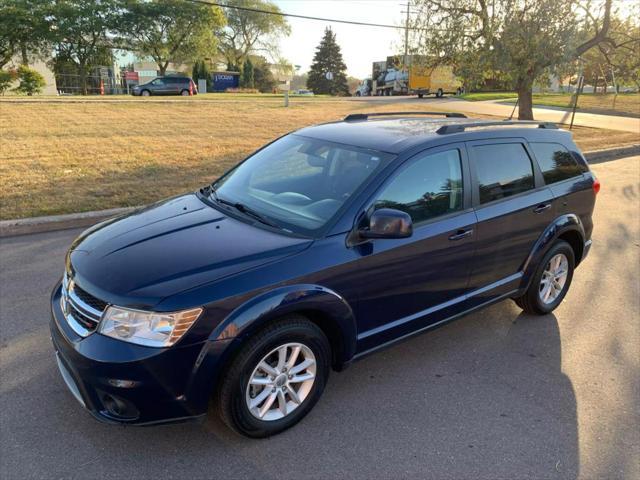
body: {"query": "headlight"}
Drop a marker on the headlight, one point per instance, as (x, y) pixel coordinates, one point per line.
(151, 329)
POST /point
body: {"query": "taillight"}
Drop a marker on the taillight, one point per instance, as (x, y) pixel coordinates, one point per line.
(596, 186)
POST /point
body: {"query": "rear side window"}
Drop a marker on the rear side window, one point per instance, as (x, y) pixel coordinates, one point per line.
(556, 162)
(503, 170)
(429, 187)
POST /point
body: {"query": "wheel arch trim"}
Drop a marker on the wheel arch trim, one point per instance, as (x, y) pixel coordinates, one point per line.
(329, 310)
(560, 226)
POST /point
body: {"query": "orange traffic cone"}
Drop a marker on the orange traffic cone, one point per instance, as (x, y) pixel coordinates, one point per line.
(190, 89)
(101, 87)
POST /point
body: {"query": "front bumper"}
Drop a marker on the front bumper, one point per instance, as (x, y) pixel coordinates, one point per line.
(120, 382)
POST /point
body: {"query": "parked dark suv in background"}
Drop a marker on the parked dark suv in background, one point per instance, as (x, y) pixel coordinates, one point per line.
(323, 246)
(169, 85)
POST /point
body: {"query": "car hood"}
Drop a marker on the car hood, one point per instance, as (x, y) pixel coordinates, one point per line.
(150, 254)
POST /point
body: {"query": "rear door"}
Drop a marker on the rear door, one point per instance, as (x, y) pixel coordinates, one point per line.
(513, 208)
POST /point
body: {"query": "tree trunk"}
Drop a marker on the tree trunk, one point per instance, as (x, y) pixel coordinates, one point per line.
(163, 68)
(25, 56)
(525, 101)
(83, 80)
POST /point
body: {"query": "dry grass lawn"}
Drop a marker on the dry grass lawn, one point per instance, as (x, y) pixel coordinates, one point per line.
(59, 157)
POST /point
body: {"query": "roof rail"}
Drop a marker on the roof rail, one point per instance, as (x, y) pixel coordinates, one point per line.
(365, 116)
(461, 127)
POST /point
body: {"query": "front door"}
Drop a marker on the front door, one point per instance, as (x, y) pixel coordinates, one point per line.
(410, 283)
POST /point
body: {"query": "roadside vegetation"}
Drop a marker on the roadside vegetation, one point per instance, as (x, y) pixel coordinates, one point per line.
(64, 157)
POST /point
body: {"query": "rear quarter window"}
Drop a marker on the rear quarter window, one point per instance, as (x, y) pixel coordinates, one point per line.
(556, 162)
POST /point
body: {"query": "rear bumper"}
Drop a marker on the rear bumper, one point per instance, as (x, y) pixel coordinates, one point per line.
(119, 382)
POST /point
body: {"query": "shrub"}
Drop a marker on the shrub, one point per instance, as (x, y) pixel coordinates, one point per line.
(242, 90)
(31, 82)
(6, 79)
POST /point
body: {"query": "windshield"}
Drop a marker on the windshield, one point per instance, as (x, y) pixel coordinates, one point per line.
(299, 183)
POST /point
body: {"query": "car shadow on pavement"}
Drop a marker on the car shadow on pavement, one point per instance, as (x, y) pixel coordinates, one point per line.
(482, 397)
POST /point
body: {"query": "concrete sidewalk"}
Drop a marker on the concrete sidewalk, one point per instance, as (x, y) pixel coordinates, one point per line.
(491, 107)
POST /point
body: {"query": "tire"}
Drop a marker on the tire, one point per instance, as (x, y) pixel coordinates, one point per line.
(532, 300)
(145, 93)
(235, 394)
(420, 95)
(439, 93)
(357, 94)
(184, 93)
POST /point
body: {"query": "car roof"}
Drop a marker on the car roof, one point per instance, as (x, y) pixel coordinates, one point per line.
(397, 134)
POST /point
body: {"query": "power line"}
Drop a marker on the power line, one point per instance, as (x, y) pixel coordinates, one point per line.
(305, 17)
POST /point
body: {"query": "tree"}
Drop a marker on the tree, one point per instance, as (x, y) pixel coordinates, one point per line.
(249, 32)
(23, 28)
(328, 59)
(7, 77)
(519, 38)
(31, 82)
(263, 79)
(170, 31)
(248, 74)
(81, 32)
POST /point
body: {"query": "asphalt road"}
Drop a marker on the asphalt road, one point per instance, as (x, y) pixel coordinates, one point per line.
(497, 394)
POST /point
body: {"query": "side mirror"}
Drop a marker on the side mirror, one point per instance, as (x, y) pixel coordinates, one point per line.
(388, 223)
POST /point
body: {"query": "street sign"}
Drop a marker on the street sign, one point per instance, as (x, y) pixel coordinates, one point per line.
(131, 76)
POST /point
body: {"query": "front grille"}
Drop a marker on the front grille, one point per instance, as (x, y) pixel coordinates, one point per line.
(89, 299)
(81, 309)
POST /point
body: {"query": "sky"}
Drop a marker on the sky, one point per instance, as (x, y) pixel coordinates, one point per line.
(360, 45)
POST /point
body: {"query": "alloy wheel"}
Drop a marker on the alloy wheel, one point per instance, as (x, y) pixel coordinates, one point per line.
(554, 278)
(281, 381)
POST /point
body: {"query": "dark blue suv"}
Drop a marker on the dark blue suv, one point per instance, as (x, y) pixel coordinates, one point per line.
(325, 245)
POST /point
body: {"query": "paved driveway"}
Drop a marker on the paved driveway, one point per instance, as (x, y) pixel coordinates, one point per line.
(497, 394)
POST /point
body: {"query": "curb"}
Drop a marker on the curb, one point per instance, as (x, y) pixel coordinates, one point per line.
(597, 156)
(26, 226)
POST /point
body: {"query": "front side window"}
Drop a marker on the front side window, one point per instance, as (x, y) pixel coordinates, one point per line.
(428, 187)
(503, 170)
(556, 162)
(300, 183)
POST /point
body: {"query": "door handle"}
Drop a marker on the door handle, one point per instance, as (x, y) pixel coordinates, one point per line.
(542, 207)
(461, 233)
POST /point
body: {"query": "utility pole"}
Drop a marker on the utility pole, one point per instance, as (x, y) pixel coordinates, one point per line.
(406, 36)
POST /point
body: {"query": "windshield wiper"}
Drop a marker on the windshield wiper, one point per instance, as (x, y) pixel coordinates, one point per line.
(241, 207)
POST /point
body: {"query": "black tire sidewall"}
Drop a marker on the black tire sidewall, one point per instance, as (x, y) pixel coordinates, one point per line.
(533, 292)
(307, 334)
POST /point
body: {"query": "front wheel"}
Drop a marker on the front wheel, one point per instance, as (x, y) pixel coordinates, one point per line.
(276, 379)
(439, 93)
(184, 93)
(550, 282)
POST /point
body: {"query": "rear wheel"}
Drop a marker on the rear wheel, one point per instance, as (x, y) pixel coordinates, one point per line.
(145, 93)
(439, 93)
(551, 281)
(276, 379)
(184, 93)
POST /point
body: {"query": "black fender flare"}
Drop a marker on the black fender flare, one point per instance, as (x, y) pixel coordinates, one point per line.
(331, 312)
(561, 225)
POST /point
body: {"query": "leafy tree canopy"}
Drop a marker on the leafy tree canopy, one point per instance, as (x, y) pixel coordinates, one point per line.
(518, 38)
(23, 28)
(250, 32)
(170, 31)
